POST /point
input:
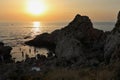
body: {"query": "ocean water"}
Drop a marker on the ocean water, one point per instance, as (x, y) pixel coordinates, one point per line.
(16, 33)
(105, 26)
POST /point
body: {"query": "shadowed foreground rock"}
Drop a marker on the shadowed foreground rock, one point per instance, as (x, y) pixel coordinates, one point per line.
(5, 55)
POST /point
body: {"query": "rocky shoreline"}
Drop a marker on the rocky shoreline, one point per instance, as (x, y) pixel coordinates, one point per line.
(77, 52)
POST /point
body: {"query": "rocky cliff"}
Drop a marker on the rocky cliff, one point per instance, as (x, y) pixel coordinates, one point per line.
(112, 44)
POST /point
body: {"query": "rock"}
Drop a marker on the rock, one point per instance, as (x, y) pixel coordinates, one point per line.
(117, 25)
(37, 69)
(71, 48)
(27, 37)
(81, 41)
(1, 44)
(112, 42)
(42, 41)
(5, 55)
(78, 42)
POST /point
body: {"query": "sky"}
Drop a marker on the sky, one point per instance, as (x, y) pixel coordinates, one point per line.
(60, 10)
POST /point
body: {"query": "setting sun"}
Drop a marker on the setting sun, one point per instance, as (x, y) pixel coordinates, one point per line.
(35, 7)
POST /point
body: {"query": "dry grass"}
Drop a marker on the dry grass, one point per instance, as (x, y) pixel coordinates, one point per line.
(103, 72)
(109, 72)
(67, 74)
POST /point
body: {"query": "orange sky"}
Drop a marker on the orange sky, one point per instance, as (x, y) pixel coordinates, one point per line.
(60, 10)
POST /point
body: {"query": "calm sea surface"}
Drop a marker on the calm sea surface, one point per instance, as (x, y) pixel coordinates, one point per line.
(15, 34)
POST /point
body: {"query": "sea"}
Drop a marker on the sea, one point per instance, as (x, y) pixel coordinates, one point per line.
(14, 34)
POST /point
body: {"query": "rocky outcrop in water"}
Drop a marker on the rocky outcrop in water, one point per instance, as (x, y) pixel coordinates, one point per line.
(80, 43)
(43, 40)
(77, 42)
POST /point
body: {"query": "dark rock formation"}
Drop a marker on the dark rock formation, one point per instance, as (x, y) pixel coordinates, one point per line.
(78, 41)
(112, 45)
(80, 33)
(117, 25)
(5, 55)
(1, 44)
(42, 40)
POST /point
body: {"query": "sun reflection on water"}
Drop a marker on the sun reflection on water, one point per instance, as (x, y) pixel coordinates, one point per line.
(36, 28)
(36, 24)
